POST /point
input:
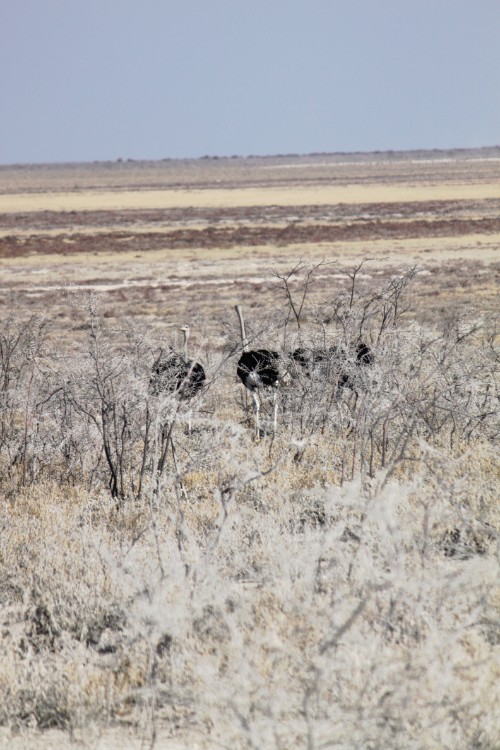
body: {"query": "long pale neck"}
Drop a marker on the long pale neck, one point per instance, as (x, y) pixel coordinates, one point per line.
(186, 339)
(239, 311)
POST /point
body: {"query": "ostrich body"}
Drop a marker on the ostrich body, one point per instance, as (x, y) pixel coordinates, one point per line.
(322, 362)
(177, 374)
(258, 369)
(364, 355)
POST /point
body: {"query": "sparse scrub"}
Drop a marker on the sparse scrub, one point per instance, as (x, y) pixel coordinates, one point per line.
(334, 585)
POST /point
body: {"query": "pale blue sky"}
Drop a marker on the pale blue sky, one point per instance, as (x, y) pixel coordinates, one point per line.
(82, 80)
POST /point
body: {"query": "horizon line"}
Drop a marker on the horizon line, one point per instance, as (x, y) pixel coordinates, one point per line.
(233, 157)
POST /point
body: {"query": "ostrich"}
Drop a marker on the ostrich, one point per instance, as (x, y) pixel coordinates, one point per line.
(362, 358)
(318, 362)
(176, 373)
(258, 369)
(364, 355)
(194, 377)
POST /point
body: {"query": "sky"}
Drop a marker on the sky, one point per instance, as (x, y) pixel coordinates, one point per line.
(86, 80)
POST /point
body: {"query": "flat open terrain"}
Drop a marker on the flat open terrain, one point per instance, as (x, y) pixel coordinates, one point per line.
(174, 574)
(179, 240)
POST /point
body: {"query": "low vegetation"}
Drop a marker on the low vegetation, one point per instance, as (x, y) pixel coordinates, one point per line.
(330, 585)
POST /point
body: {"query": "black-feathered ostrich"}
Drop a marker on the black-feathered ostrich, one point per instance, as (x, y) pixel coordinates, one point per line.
(317, 362)
(177, 374)
(259, 369)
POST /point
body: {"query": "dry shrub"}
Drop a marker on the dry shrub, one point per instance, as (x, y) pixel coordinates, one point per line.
(334, 585)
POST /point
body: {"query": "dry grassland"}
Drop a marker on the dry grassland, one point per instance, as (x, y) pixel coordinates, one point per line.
(333, 585)
(154, 240)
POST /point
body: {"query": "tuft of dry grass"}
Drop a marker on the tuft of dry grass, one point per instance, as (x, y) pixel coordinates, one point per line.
(261, 609)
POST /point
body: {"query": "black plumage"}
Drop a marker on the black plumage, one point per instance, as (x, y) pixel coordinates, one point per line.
(309, 359)
(176, 373)
(364, 355)
(327, 363)
(258, 368)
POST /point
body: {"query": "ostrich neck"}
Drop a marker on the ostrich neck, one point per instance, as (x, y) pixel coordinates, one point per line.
(186, 338)
(244, 341)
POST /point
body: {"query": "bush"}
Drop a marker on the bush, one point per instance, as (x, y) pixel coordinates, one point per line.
(331, 585)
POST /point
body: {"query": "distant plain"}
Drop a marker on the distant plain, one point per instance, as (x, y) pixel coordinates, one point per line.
(183, 241)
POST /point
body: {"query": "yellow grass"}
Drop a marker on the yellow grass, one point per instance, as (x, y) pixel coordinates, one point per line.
(304, 195)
